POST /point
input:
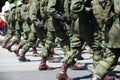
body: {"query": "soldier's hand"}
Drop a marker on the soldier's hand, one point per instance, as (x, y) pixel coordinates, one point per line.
(63, 18)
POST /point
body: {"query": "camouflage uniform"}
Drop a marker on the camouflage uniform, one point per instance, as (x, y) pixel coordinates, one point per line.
(55, 32)
(26, 30)
(58, 10)
(19, 30)
(109, 23)
(19, 23)
(18, 27)
(79, 25)
(55, 29)
(37, 29)
(11, 23)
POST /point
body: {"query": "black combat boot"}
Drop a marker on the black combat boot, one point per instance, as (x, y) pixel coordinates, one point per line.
(62, 74)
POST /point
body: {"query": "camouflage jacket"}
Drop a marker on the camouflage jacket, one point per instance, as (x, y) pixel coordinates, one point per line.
(109, 22)
(103, 11)
(117, 6)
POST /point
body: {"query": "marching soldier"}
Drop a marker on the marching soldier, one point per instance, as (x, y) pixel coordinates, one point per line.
(11, 23)
(107, 15)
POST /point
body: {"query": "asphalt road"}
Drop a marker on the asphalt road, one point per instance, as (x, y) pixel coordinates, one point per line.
(12, 69)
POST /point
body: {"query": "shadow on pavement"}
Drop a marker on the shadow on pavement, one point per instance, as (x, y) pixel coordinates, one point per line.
(83, 77)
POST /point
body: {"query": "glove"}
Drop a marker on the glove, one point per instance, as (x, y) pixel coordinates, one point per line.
(63, 18)
(101, 1)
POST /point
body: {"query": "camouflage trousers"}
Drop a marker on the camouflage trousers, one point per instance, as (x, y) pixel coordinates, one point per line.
(52, 39)
(109, 48)
(10, 34)
(40, 34)
(18, 32)
(108, 62)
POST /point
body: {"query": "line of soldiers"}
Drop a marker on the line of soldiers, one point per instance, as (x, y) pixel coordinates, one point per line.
(72, 24)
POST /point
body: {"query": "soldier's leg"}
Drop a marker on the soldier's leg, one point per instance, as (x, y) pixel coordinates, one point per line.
(12, 29)
(68, 60)
(29, 43)
(46, 51)
(75, 49)
(17, 35)
(107, 64)
(17, 39)
(21, 43)
(7, 38)
(97, 47)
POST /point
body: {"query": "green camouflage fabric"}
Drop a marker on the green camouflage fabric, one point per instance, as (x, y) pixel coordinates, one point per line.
(117, 6)
(43, 9)
(103, 15)
(11, 20)
(36, 31)
(24, 13)
(113, 30)
(51, 9)
(18, 14)
(79, 27)
(109, 24)
(25, 17)
(82, 24)
(29, 34)
(18, 25)
(55, 31)
(35, 17)
(11, 25)
(112, 34)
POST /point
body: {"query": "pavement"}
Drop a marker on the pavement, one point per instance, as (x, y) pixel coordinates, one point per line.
(12, 69)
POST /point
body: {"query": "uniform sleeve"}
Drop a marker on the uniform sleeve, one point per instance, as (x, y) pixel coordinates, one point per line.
(51, 9)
